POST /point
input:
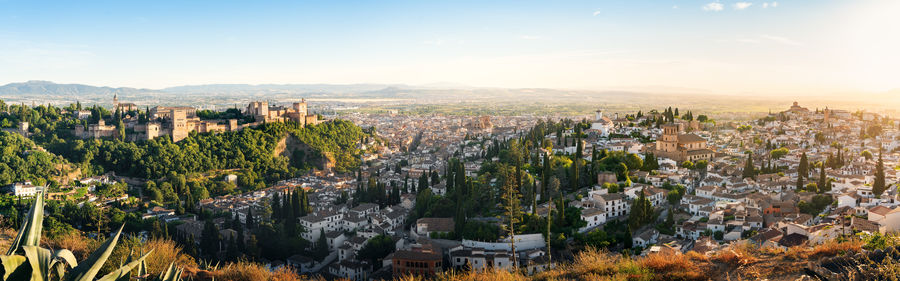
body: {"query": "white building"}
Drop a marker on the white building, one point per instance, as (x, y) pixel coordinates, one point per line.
(24, 189)
(888, 219)
(317, 223)
(594, 218)
(602, 124)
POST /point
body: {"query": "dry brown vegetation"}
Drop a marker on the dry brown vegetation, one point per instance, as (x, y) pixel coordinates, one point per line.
(737, 261)
(737, 255)
(79, 245)
(245, 271)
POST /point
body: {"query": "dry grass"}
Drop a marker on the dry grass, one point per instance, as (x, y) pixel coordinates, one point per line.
(827, 249)
(834, 247)
(80, 245)
(673, 267)
(796, 253)
(697, 257)
(7, 235)
(164, 253)
(737, 255)
(246, 271)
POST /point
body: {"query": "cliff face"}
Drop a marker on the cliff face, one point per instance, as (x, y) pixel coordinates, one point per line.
(302, 155)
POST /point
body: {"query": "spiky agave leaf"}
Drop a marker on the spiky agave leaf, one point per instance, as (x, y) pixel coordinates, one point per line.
(15, 267)
(171, 273)
(127, 275)
(66, 256)
(125, 270)
(40, 261)
(87, 270)
(142, 267)
(30, 233)
(43, 262)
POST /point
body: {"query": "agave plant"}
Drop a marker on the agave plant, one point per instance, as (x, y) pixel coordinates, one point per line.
(26, 260)
(171, 274)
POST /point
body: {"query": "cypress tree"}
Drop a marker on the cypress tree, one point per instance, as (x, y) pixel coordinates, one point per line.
(878, 186)
(287, 211)
(749, 169)
(295, 203)
(823, 180)
(545, 177)
(803, 168)
(251, 224)
(304, 203)
(209, 239)
(276, 206)
(460, 175)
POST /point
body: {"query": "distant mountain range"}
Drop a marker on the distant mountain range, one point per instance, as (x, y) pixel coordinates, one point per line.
(36, 87)
(221, 95)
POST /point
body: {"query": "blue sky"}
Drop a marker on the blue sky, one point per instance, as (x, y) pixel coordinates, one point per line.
(713, 46)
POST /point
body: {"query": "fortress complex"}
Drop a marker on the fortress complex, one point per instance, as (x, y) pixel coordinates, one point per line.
(179, 122)
(263, 112)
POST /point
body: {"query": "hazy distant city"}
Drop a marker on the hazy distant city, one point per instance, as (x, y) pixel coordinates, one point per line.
(448, 140)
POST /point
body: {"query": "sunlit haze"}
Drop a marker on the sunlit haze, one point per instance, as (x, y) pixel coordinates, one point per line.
(727, 47)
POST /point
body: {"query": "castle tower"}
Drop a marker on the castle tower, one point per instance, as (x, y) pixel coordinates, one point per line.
(179, 125)
(598, 115)
(670, 133)
(301, 107)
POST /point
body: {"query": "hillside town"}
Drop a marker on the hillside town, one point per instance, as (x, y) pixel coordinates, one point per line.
(795, 177)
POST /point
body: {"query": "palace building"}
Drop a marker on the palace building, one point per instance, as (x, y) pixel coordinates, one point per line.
(179, 122)
(298, 112)
(681, 147)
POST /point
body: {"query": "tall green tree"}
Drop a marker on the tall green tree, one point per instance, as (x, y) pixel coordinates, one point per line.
(512, 210)
(545, 178)
(823, 179)
(749, 169)
(878, 186)
(803, 167)
(295, 203)
(209, 239)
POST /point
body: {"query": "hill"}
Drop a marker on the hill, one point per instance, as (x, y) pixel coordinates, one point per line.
(22, 160)
(37, 87)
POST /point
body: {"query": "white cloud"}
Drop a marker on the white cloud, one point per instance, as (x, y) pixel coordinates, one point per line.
(767, 4)
(714, 6)
(780, 39)
(742, 5)
(597, 12)
(774, 4)
(675, 7)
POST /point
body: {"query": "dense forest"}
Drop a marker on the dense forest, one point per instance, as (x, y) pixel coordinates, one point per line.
(22, 160)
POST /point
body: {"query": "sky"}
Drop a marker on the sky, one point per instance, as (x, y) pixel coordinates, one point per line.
(722, 47)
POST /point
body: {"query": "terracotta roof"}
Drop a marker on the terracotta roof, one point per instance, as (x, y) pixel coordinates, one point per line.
(690, 138)
(426, 253)
(437, 224)
(881, 210)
